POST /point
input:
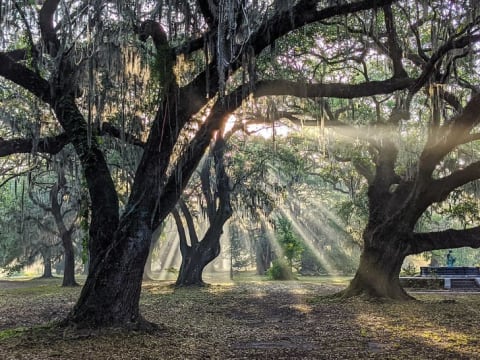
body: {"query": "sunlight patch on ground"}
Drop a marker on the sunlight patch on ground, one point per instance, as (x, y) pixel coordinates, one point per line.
(303, 308)
(412, 323)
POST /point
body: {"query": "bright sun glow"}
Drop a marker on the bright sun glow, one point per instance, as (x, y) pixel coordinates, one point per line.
(265, 130)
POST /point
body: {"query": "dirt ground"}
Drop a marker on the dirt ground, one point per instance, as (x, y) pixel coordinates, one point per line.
(251, 320)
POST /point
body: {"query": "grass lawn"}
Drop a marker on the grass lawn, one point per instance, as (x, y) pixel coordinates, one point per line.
(245, 320)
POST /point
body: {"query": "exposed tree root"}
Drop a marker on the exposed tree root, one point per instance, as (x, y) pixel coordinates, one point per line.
(368, 294)
(94, 328)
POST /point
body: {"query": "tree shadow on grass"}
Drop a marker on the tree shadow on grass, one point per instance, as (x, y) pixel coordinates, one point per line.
(261, 320)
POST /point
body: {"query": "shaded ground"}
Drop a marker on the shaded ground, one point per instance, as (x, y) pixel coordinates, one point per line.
(264, 320)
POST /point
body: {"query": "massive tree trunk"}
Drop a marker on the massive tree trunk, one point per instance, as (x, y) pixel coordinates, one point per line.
(392, 216)
(119, 247)
(377, 275)
(111, 294)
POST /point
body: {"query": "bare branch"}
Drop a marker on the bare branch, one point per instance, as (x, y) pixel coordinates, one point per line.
(337, 90)
(440, 188)
(447, 239)
(453, 43)
(452, 134)
(26, 78)
(49, 145)
(394, 48)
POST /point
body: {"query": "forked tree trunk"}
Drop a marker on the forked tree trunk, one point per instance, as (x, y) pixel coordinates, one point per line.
(65, 234)
(194, 261)
(199, 254)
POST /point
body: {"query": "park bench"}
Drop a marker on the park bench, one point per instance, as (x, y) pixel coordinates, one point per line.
(454, 277)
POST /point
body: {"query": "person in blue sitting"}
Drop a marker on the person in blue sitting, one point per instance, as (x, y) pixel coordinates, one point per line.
(450, 259)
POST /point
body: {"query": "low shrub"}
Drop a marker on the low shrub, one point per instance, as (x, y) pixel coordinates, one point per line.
(280, 270)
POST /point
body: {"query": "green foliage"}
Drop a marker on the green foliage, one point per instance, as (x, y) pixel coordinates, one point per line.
(291, 244)
(280, 270)
(409, 270)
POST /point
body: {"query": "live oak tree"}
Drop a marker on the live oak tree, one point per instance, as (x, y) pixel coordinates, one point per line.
(442, 66)
(215, 195)
(64, 42)
(442, 101)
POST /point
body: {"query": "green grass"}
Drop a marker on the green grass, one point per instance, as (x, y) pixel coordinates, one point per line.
(9, 333)
(250, 276)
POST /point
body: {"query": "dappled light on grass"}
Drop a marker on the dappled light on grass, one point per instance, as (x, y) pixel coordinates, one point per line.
(158, 287)
(262, 319)
(441, 325)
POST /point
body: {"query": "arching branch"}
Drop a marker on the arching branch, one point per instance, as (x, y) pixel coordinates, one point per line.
(336, 90)
(453, 43)
(394, 48)
(24, 77)
(440, 188)
(49, 145)
(447, 239)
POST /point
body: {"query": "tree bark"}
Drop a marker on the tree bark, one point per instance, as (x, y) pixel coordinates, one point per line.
(378, 273)
(69, 259)
(194, 261)
(47, 263)
(111, 294)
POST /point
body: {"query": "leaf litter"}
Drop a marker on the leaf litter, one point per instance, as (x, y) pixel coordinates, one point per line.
(245, 320)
